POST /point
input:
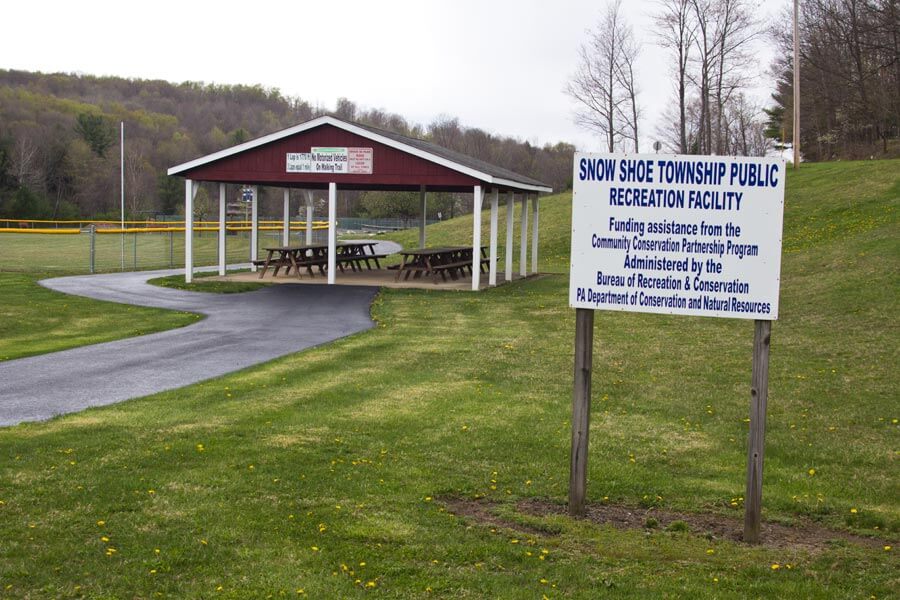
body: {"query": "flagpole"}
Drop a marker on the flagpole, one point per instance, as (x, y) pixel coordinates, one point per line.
(122, 184)
(796, 140)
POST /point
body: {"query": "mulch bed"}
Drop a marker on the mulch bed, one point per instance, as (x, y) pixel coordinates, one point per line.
(805, 535)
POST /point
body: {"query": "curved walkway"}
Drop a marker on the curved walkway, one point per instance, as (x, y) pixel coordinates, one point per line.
(240, 330)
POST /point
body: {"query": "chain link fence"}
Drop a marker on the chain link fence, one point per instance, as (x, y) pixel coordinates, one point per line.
(92, 252)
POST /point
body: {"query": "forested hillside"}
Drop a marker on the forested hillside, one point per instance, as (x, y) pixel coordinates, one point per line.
(59, 142)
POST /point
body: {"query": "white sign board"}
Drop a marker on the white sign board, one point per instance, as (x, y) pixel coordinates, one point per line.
(331, 160)
(687, 235)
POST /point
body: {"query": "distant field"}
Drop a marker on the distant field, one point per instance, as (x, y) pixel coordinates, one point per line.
(407, 461)
(27, 252)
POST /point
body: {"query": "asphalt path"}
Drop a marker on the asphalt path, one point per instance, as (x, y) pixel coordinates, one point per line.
(240, 330)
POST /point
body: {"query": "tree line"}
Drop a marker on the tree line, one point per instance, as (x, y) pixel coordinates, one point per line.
(849, 70)
(59, 143)
(849, 79)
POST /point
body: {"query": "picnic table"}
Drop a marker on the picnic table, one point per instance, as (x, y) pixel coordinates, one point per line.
(354, 254)
(451, 260)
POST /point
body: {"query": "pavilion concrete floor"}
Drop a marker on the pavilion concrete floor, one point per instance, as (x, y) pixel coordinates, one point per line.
(374, 278)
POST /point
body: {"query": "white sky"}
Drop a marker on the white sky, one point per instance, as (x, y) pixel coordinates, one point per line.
(500, 65)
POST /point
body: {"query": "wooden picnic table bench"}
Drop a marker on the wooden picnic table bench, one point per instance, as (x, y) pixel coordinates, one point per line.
(354, 254)
(452, 260)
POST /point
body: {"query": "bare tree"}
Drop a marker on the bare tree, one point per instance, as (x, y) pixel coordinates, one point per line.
(445, 131)
(597, 85)
(675, 28)
(735, 28)
(26, 162)
(629, 50)
(705, 45)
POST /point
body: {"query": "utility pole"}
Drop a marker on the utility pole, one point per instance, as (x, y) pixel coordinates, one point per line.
(796, 143)
(122, 184)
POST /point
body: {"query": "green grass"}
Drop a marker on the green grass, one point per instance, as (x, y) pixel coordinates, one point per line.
(199, 285)
(25, 252)
(290, 475)
(36, 320)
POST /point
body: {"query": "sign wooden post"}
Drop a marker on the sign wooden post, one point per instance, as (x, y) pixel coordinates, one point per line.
(677, 235)
(759, 395)
(581, 409)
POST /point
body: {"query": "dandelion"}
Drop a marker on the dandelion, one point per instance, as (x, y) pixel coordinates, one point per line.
(314, 548)
(710, 551)
(853, 511)
(200, 448)
(887, 548)
(371, 584)
(811, 472)
(775, 566)
(153, 571)
(204, 542)
(544, 581)
(104, 538)
(101, 523)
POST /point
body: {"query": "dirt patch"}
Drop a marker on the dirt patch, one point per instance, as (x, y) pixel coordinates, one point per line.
(804, 535)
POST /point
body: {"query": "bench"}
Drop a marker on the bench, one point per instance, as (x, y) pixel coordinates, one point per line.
(355, 260)
(452, 267)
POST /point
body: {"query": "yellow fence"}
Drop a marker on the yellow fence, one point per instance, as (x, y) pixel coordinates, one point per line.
(147, 226)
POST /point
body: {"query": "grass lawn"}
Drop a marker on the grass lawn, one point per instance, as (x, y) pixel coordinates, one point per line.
(199, 285)
(334, 473)
(24, 252)
(35, 320)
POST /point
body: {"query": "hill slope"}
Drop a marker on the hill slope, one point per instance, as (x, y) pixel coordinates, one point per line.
(59, 139)
(333, 473)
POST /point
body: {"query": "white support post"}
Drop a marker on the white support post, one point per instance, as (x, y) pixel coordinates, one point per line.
(309, 217)
(476, 238)
(495, 209)
(188, 230)
(423, 202)
(534, 234)
(221, 229)
(510, 211)
(254, 228)
(332, 231)
(286, 219)
(523, 243)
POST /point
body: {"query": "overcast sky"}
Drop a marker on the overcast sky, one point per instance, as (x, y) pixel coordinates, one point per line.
(500, 65)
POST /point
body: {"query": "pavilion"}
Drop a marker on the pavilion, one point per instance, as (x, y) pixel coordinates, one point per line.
(330, 153)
